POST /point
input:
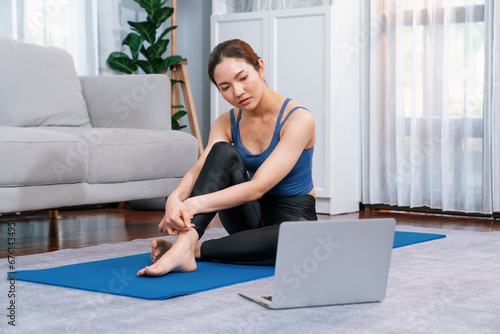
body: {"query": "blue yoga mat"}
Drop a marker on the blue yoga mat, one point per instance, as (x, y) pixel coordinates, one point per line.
(409, 238)
(118, 276)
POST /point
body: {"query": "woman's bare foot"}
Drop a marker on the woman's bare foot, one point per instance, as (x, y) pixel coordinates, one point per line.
(180, 256)
(158, 248)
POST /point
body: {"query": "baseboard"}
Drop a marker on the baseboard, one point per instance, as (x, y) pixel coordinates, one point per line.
(426, 210)
(325, 206)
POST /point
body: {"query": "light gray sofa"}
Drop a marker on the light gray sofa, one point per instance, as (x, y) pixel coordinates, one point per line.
(67, 140)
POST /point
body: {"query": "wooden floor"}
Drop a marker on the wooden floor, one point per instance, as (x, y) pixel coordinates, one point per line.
(33, 233)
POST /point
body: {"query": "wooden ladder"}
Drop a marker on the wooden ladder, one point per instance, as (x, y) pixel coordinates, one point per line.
(179, 72)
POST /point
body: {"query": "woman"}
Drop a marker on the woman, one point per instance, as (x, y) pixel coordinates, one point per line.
(255, 172)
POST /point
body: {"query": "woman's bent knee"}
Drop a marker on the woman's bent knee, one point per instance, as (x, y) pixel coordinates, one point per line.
(224, 151)
(223, 148)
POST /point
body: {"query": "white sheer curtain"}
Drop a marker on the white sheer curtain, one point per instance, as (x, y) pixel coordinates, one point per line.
(6, 26)
(430, 106)
(492, 102)
(88, 29)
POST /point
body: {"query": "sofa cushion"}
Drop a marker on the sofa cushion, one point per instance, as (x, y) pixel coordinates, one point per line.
(123, 155)
(33, 156)
(128, 101)
(39, 86)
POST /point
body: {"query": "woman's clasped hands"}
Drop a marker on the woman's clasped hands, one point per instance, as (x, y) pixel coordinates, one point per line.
(177, 217)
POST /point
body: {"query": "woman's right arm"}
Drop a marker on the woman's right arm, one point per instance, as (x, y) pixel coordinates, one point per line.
(176, 215)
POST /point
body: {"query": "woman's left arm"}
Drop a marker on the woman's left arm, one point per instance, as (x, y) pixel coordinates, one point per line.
(298, 134)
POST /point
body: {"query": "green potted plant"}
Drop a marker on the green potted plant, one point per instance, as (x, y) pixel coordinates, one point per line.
(148, 45)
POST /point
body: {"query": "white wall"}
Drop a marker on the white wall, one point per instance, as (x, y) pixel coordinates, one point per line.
(193, 43)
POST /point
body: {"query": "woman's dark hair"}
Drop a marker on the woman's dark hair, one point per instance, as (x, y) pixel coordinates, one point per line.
(233, 48)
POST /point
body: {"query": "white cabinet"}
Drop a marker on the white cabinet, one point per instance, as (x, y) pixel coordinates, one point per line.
(297, 46)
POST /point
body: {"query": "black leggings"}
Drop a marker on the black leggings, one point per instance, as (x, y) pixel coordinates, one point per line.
(253, 227)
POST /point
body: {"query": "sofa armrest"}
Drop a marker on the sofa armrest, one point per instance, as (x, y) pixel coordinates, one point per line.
(128, 101)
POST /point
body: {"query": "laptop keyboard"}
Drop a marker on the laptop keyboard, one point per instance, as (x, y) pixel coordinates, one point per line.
(270, 298)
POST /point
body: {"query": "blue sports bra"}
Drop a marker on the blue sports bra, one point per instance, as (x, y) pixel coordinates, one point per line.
(299, 181)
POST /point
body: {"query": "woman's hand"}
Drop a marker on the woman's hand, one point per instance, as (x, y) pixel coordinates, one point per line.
(176, 218)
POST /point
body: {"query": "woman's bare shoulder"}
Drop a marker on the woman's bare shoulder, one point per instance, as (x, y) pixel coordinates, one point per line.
(221, 128)
(224, 118)
(300, 112)
(299, 123)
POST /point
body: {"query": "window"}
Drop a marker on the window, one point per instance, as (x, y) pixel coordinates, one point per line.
(430, 110)
(464, 41)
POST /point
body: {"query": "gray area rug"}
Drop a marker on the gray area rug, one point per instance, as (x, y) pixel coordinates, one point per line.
(450, 285)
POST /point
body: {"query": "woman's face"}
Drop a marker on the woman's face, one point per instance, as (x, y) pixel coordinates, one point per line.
(239, 83)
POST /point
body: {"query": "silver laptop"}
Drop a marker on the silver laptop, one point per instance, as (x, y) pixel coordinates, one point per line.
(329, 262)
